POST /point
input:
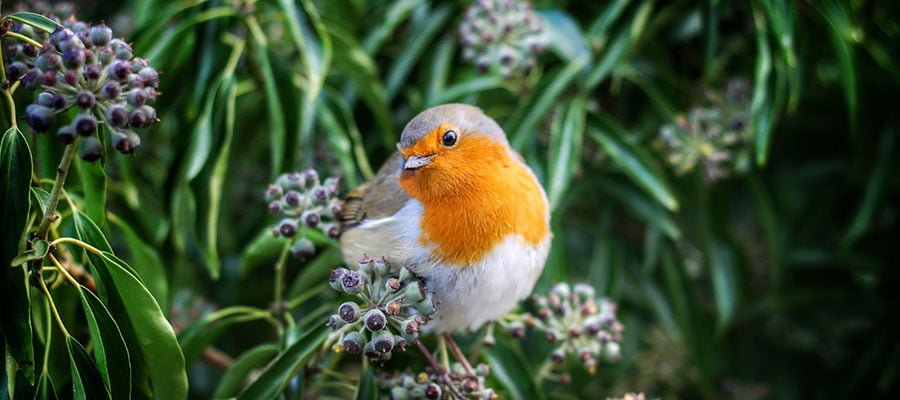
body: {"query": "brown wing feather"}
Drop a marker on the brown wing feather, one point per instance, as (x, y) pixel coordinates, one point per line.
(380, 197)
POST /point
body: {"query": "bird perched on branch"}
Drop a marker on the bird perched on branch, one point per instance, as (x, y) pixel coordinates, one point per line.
(459, 207)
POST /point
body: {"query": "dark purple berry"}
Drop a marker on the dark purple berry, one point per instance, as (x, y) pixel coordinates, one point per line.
(90, 150)
(100, 35)
(351, 282)
(48, 61)
(120, 70)
(275, 207)
(70, 78)
(311, 219)
(92, 72)
(73, 57)
(375, 320)
(111, 90)
(31, 80)
(85, 124)
(139, 119)
(135, 141)
(353, 342)
(303, 249)
(66, 135)
(349, 312)
(383, 342)
(136, 97)
(39, 117)
(124, 54)
(29, 50)
(287, 228)
(60, 35)
(49, 78)
(105, 56)
(292, 198)
(121, 143)
(116, 116)
(16, 70)
(336, 276)
(150, 76)
(85, 99)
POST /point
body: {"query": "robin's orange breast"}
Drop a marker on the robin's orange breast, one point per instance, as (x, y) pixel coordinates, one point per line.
(473, 198)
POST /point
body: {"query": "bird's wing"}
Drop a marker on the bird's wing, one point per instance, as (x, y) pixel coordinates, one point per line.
(381, 197)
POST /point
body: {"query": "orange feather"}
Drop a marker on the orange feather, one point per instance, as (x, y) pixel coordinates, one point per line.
(474, 195)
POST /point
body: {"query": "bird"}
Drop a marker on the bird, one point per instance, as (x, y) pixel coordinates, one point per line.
(461, 209)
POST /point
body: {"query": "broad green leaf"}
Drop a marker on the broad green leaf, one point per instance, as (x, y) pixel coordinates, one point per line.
(147, 263)
(642, 207)
(93, 181)
(41, 198)
(202, 136)
(36, 20)
(396, 13)
(634, 167)
(510, 370)
(316, 271)
(275, 378)
(614, 54)
(109, 348)
(236, 376)
(88, 385)
(157, 341)
(366, 389)
(184, 215)
(15, 182)
(201, 333)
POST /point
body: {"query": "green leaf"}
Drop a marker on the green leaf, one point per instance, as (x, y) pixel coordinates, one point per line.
(566, 137)
(276, 124)
(642, 207)
(563, 34)
(634, 167)
(415, 47)
(760, 105)
(217, 181)
(528, 116)
(93, 180)
(147, 263)
(85, 377)
(202, 136)
(38, 250)
(508, 367)
(109, 348)
(156, 339)
(36, 20)
(275, 378)
(236, 376)
(465, 88)
(201, 333)
(366, 389)
(15, 181)
(263, 250)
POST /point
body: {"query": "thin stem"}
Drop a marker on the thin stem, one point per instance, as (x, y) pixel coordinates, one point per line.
(79, 243)
(23, 38)
(279, 280)
(544, 371)
(11, 104)
(61, 172)
(459, 355)
(64, 271)
(440, 371)
(59, 322)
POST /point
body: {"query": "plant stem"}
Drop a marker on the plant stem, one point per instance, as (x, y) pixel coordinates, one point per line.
(61, 172)
(12, 108)
(77, 242)
(24, 38)
(59, 321)
(279, 281)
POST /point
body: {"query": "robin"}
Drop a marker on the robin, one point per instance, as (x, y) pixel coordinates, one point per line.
(459, 207)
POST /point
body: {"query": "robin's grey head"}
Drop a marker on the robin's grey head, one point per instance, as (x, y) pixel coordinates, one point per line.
(466, 119)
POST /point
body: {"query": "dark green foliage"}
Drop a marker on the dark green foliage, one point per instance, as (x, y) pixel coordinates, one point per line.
(749, 259)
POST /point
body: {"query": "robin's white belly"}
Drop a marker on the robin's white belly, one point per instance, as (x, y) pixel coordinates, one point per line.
(470, 295)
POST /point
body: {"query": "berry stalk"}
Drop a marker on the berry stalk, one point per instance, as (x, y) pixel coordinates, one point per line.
(61, 172)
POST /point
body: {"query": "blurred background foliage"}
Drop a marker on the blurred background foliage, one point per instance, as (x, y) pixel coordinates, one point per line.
(724, 170)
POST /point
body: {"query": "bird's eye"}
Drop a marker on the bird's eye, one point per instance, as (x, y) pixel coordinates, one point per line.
(449, 138)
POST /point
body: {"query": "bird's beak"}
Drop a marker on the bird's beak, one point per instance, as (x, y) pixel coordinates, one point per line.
(416, 162)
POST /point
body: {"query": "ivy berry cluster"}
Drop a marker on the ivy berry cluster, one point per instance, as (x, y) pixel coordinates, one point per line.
(577, 323)
(393, 306)
(83, 73)
(303, 202)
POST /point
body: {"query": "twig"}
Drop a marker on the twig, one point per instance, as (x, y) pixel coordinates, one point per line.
(440, 370)
(61, 172)
(454, 348)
